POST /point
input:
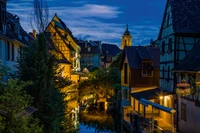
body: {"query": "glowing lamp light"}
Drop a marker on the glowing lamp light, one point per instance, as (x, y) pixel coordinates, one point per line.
(183, 88)
(161, 97)
(197, 83)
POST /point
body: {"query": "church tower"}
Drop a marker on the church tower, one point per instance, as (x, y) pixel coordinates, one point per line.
(2, 15)
(126, 39)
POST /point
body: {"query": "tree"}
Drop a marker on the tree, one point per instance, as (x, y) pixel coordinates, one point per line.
(117, 62)
(39, 66)
(40, 15)
(13, 101)
(101, 81)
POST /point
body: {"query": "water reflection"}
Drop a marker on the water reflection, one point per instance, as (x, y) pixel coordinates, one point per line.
(95, 123)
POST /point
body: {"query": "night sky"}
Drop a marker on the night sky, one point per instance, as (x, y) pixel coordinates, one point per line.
(103, 20)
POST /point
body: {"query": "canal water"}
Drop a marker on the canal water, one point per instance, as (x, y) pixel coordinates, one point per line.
(96, 123)
(85, 129)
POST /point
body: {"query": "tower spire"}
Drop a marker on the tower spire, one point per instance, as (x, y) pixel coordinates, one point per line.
(126, 38)
(126, 27)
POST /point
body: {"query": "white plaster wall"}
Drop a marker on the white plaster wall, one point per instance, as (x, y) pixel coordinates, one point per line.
(192, 123)
(11, 64)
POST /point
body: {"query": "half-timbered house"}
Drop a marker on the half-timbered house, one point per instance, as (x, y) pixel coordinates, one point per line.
(189, 106)
(179, 33)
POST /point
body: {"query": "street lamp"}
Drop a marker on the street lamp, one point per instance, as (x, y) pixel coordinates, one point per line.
(183, 88)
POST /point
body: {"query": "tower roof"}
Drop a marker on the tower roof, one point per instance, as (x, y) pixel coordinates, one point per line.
(127, 32)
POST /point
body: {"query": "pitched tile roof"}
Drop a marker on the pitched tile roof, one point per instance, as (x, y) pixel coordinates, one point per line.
(191, 62)
(186, 16)
(84, 48)
(110, 49)
(136, 54)
(10, 30)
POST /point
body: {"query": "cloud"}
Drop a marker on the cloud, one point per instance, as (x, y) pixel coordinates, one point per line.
(89, 21)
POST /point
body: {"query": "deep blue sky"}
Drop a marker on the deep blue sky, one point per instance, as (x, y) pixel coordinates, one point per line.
(103, 20)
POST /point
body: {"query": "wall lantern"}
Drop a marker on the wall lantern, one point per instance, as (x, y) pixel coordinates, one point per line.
(183, 88)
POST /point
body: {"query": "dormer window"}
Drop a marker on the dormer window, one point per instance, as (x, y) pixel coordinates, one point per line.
(147, 69)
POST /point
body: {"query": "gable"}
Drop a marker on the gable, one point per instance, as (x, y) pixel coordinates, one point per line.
(180, 16)
(166, 25)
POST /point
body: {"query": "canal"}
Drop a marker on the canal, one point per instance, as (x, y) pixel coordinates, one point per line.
(95, 123)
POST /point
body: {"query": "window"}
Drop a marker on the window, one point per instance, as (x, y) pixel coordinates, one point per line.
(147, 69)
(13, 52)
(163, 47)
(8, 51)
(163, 72)
(170, 45)
(168, 72)
(125, 94)
(109, 59)
(182, 76)
(183, 111)
(125, 73)
(89, 49)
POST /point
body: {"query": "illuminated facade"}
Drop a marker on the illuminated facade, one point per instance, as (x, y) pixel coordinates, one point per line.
(64, 46)
(140, 91)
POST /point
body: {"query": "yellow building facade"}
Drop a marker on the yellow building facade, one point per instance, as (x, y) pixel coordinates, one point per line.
(63, 45)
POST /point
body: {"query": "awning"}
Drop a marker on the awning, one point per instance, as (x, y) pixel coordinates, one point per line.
(151, 94)
(146, 102)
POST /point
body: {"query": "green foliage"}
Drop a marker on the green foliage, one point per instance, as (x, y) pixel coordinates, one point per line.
(4, 71)
(39, 66)
(13, 100)
(101, 82)
(117, 62)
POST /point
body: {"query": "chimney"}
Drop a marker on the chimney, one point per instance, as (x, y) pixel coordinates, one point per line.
(34, 33)
(17, 26)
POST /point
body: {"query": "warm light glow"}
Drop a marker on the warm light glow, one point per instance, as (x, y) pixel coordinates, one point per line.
(161, 97)
(167, 98)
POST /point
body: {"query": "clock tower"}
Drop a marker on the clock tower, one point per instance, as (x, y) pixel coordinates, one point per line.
(126, 39)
